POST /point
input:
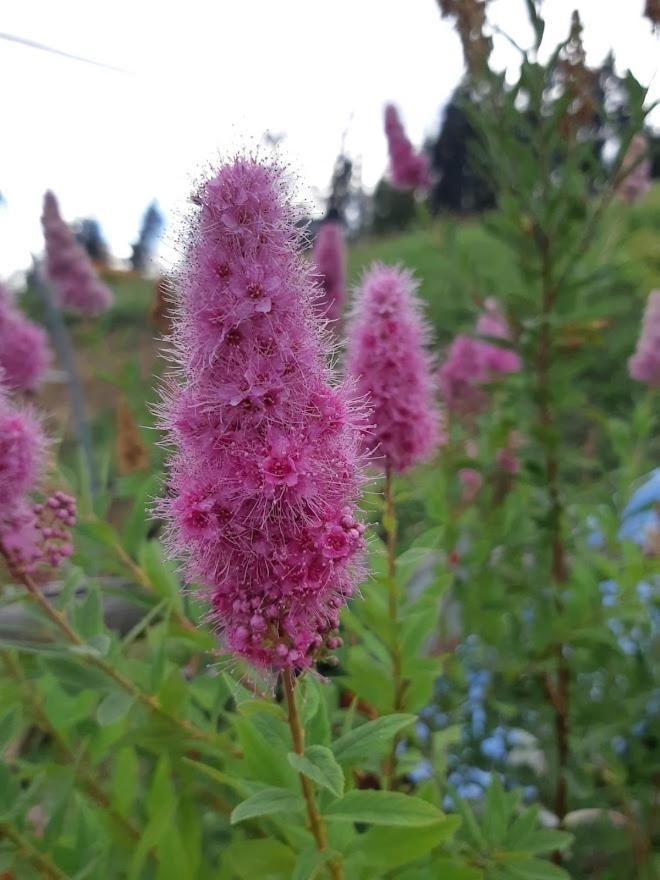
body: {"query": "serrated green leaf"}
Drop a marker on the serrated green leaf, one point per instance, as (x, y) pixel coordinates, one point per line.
(319, 764)
(115, 706)
(370, 738)
(392, 847)
(266, 802)
(383, 808)
(535, 869)
(267, 859)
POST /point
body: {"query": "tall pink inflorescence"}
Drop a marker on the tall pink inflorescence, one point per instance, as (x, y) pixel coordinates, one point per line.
(636, 171)
(644, 365)
(24, 352)
(471, 363)
(68, 266)
(265, 472)
(329, 257)
(388, 358)
(409, 169)
(31, 534)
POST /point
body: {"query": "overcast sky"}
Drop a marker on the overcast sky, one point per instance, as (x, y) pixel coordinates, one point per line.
(204, 77)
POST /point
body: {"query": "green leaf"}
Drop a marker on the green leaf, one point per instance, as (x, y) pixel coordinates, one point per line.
(368, 739)
(383, 808)
(88, 613)
(115, 706)
(161, 573)
(8, 726)
(449, 869)
(542, 841)
(125, 779)
(393, 847)
(320, 765)
(267, 859)
(535, 869)
(265, 803)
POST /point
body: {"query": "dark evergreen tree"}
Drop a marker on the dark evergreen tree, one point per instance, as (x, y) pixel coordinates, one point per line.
(150, 231)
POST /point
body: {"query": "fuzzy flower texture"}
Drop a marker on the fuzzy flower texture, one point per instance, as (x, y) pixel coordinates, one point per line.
(264, 477)
(644, 365)
(471, 363)
(388, 358)
(69, 268)
(409, 169)
(330, 261)
(31, 535)
(24, 352)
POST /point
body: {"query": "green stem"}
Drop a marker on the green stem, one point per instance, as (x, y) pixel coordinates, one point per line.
(315, 821)
(390, 527)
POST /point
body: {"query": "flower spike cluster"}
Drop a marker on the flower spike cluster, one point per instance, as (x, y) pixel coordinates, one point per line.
(409, 169)
(24, 352)
(30, 534)
(644, 365)
(471, 363)
(388, 358)
(265, 471)
(69, 268)
(330, 261)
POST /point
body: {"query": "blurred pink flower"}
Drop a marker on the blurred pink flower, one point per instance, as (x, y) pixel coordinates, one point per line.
(330, 261)
(30, 534)
(472, 363)
(644, 365)
(24, 352)
(636, 168)
(409, 169)
(69, 268)
(265, 471)
(388, 358)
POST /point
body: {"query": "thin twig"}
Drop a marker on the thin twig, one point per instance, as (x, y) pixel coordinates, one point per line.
(41, 861)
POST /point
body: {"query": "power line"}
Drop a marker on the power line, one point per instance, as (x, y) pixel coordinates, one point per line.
(32, 44)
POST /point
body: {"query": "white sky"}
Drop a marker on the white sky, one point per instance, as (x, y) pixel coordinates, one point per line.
(208, 75)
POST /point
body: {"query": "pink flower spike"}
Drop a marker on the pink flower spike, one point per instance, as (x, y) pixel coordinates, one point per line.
(265, 470)
(636, 171)
(69, 268)
(24, 352)
(409, 169)
(330, 260)
(22, 451)
(388, 358)
(472, 363)
(644, 365)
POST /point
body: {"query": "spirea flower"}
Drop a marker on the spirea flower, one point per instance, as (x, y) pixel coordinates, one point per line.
(472, 363)
(409, 169)
(330, 261)
(388, 358)
(22, 446)
(644, 365)
(264, 475)
(31, 534)
(69, 268)
(24, 352)
(636, 171)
